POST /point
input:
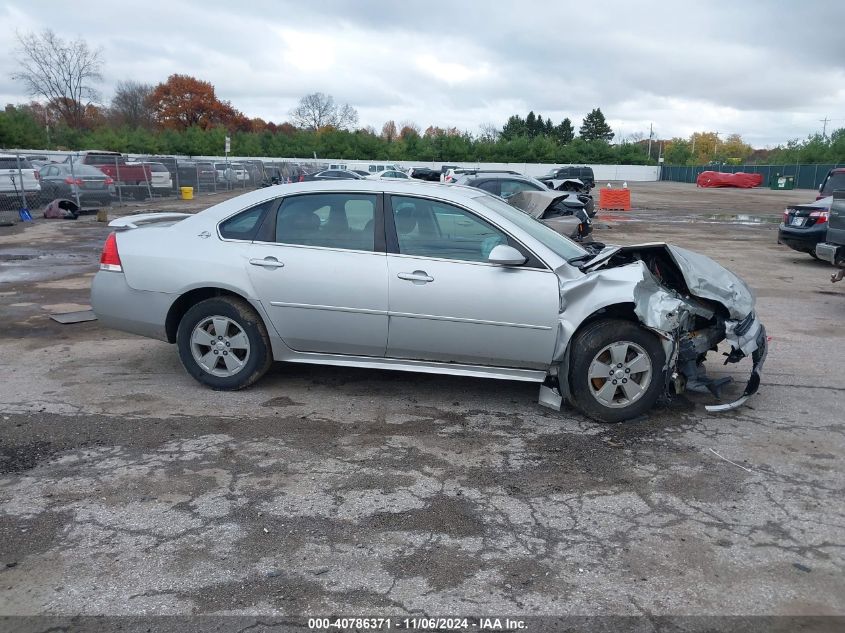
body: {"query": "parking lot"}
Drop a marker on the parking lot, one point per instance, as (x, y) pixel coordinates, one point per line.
(127, 488)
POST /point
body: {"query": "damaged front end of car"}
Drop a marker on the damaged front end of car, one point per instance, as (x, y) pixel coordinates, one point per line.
(688, 300)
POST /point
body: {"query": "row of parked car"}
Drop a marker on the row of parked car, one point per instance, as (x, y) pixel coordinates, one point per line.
(96, 178)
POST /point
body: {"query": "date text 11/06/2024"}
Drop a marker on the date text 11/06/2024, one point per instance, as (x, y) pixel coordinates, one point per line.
(420, 623)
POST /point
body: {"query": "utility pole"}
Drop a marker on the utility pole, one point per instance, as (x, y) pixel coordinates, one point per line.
(825, 121)
(650, 134)
(716, 144)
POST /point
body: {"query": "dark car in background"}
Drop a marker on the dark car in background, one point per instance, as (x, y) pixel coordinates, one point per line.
(582, 173)
(834, 180)
(832, 249)
(425, 173)
(61, 180)
(255, 171)
(805, 225)
(201, 175)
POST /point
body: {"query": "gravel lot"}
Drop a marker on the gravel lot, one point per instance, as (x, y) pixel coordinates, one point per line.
(127, 488)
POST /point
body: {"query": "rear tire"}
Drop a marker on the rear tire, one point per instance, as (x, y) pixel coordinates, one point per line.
(616, 370)
(813, 255)
(223, 343)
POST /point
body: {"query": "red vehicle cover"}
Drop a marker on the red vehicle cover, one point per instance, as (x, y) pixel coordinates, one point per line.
(722, 179)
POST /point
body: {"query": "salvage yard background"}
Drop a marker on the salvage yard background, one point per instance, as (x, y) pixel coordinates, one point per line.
(126, 487)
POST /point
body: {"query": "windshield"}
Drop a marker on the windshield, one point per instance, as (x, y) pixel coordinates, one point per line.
(12, 162)
(84, 170)
(551, 239)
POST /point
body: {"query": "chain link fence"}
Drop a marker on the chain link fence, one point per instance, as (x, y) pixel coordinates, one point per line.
(94, 180)
(807, 176)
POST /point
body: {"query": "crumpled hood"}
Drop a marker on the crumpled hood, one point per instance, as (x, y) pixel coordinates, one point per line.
(535, 203)
(710, 280)
(704, 277)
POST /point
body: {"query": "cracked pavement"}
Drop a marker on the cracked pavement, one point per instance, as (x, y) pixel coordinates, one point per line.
(127, 488)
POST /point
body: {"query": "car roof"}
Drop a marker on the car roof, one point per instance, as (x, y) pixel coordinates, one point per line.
(493, 175)
(409, 187)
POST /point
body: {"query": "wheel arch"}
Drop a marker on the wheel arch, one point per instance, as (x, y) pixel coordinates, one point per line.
(192, 297)
(615, 310)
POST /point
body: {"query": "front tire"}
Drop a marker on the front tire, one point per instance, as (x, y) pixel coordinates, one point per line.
(223, 343)
(616, 370)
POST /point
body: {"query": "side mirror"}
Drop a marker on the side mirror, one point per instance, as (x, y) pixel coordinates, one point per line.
(505, 255)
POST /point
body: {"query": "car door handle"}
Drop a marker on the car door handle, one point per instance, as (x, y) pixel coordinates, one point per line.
(267, 262)
(419, 276)
(463, 223)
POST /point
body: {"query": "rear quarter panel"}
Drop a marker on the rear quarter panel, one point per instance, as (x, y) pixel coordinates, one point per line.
(178, 258)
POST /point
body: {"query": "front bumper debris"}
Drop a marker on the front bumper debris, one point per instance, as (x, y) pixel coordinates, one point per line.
(758, 357)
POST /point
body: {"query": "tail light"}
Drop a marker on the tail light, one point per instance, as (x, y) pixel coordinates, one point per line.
(110, 258)
(109, 181)
(820, 216)
(37, 175)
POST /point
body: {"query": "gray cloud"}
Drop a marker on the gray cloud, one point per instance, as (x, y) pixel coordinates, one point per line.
(768, 70)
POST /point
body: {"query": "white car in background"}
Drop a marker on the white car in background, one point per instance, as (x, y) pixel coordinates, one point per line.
(161, 181)
(389, 174)
(17, 176)
(231, 172)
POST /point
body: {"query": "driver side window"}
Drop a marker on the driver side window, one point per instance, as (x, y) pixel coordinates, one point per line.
(430, 228)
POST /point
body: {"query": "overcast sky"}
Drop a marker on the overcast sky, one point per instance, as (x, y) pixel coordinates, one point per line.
(767, 70)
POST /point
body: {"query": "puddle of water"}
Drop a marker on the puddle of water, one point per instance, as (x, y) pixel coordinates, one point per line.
(17, 265)
(673, 218)
(743, 218)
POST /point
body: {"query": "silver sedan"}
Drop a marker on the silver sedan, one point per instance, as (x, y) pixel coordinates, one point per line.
(425, 278)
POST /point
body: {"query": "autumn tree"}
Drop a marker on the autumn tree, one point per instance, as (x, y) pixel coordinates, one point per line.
(388, 131)
(183, 101)
(735, 148)
(131, 104)
(408, 130)
(319, 110)
(63, 72)
(703, 147)
(595, 128)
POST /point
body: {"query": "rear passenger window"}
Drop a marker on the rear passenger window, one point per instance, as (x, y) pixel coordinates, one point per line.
(340, 220)
(244, 226)
(488, 185)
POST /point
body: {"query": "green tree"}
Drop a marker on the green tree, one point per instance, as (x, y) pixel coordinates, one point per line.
(595, 128)
(514, 128)
(677, 152)
(564, 133)
(19, 128)
(531, 124)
